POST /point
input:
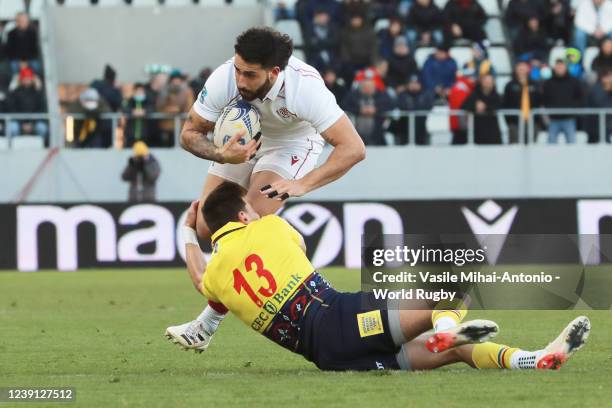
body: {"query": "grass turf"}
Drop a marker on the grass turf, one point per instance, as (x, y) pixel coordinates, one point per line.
(102, 333)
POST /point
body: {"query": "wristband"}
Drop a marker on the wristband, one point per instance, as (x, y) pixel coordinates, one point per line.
(189, 236)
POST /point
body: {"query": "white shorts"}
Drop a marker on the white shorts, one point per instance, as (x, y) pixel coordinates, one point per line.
(290, 161)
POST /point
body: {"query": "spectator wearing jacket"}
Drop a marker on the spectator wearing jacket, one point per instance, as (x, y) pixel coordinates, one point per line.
(22, 45)
(465, 19)
(439, 71)
(603, 62)
(142, 172)
(600, 96)
(27, 98)
(401, 64)
(322, 40)
(593, 20)
(368, 107)
(562, 91)
(523, 94)
(358, 46)
(484, 102)
(413, 98)
(426, 23)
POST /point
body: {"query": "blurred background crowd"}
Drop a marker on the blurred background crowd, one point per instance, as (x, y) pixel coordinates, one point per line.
(381, 59)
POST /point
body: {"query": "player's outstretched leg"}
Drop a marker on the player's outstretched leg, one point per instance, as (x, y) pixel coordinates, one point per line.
(475, 331)
(492, 355)
(197, 334)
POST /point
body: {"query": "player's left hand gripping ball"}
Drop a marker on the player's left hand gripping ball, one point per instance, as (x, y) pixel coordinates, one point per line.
(283, 189)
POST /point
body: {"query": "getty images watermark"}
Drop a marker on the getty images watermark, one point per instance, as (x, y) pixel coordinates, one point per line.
(494, 271)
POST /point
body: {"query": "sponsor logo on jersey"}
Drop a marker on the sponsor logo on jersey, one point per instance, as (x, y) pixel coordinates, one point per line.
(294, 159)
(203, 94)
(284, 113)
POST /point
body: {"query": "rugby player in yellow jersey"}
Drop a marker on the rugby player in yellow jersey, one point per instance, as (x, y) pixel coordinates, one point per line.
(260, 272)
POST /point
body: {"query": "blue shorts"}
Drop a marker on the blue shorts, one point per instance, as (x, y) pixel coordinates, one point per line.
(348, 331)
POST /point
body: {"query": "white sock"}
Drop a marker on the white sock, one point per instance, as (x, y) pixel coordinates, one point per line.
(525, 360)
(210, 319)
(444, 323)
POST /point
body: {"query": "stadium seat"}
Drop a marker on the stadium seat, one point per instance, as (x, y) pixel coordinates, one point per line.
(588, 57)
(77, 3)
(27, 142)
(178, 3)
(440, 3)
(438, 125)
(240, 3)
(299, 54)
(381, 24)
(491, 7)
(7, 29)
(421, 54)
(36, 8)
(556, 53)
(501, 60)
(145, 3)
(461, 55)
(292, 28)
(500, 83)
(495, 31)
(213, 3)
(8, 9)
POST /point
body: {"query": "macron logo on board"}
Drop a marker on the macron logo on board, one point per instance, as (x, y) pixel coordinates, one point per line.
(490, 226)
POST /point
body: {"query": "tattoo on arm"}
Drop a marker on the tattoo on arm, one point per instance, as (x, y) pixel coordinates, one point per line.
(194, 138)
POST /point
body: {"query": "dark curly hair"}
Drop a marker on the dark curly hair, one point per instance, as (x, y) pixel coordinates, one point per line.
(265, 46)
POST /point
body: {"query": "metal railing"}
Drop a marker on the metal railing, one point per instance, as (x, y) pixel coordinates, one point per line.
(526, 129)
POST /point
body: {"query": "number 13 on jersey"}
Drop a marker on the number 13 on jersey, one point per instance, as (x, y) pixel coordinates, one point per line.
(240, 282)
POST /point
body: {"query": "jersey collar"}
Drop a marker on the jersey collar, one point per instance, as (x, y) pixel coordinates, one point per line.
(226, 229)
(273, 92)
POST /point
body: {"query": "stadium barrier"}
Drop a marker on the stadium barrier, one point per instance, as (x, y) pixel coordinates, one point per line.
(86, 235)
(438, 123)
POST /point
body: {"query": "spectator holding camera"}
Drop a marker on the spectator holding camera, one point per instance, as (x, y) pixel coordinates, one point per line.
(142, 172)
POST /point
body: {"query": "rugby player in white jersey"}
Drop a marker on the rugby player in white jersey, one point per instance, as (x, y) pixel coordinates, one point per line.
(298, 114)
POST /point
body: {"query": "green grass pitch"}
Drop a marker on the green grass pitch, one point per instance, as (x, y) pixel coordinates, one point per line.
(102, 333)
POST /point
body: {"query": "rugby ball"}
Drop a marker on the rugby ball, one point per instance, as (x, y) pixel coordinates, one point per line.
(235, 118)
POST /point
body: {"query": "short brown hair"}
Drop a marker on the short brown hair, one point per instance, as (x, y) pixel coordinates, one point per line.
(223, 205)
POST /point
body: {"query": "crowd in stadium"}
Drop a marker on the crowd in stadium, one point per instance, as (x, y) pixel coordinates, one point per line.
(366, 52)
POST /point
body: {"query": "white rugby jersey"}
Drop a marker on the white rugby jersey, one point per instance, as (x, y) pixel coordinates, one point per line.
(297, 108)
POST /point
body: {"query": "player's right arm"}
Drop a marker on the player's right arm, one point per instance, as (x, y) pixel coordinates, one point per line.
(194, 139)
(217, 93)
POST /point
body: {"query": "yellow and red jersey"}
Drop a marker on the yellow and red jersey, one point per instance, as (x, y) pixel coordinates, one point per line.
(256, 268)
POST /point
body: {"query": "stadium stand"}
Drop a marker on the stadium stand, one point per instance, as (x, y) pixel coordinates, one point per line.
(294, 21)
